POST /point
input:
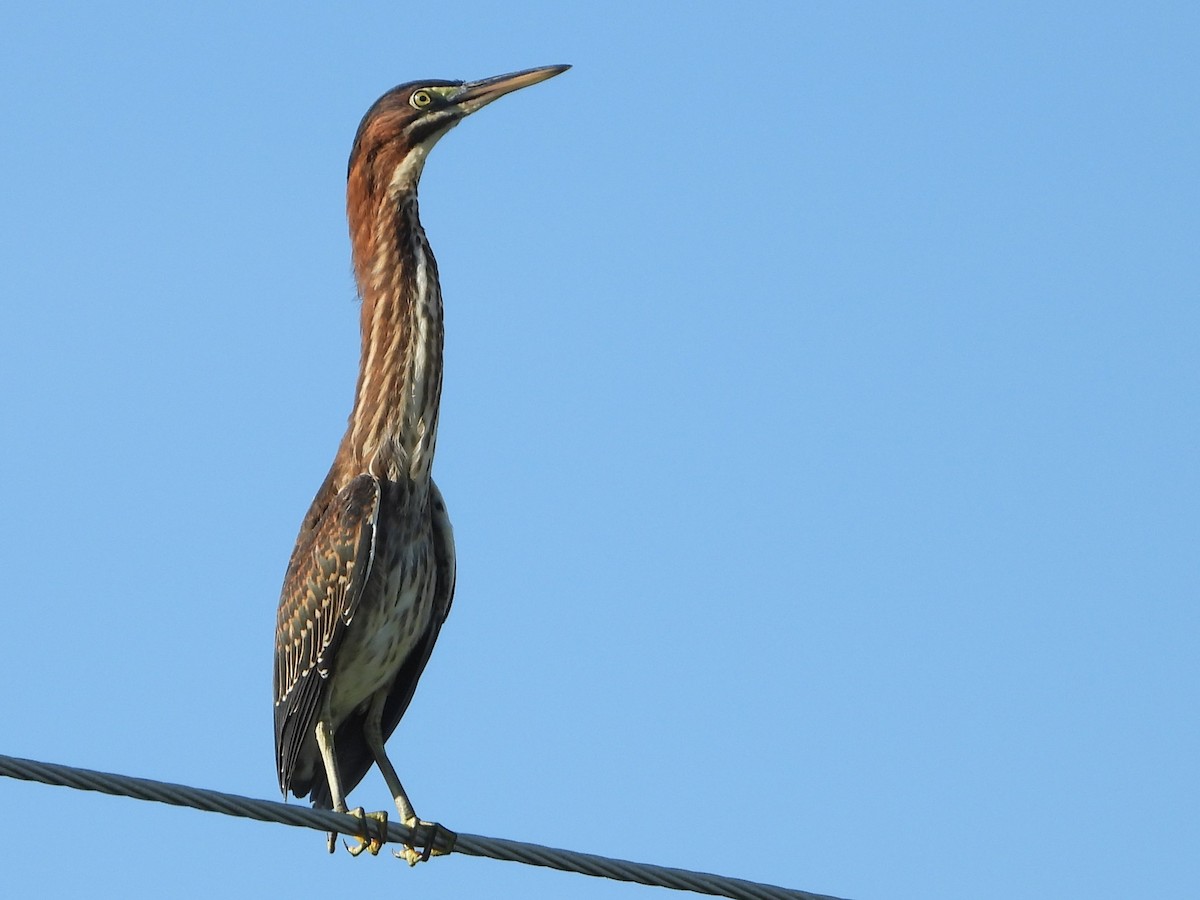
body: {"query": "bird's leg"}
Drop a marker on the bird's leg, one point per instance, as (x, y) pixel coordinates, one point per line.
(329, 758)
(434, 833)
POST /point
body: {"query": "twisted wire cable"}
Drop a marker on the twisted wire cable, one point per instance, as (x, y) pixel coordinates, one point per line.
(326, 820)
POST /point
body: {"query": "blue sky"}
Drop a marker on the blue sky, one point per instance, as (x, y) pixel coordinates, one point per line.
(819, 432)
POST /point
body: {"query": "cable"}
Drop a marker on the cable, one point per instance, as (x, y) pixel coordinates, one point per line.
(325, 820)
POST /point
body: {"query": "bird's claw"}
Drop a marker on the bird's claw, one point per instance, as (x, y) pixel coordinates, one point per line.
(438, 841)
(368, 841)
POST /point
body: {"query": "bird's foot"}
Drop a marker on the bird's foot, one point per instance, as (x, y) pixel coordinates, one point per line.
(367, 841)
(437, 839)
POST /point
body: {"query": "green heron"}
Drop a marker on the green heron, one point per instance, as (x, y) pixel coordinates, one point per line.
(371, 577)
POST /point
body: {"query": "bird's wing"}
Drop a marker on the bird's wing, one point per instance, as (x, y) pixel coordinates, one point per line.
(406, 679)
(324, 582)
(443, 550)
(353, 755)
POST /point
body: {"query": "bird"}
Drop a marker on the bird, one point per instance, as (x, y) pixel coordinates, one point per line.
(371, 578)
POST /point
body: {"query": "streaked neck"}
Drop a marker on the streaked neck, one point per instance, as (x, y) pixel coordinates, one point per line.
(392, 431)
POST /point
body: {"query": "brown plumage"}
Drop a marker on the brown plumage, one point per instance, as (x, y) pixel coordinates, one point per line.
(371, 578)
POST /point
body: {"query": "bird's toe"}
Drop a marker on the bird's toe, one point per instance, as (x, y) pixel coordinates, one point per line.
(371, 842)
(437, 840)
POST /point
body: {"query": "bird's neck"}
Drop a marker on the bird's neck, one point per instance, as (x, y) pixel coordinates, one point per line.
(392, 431)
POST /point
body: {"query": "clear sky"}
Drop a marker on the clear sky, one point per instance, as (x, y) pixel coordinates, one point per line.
(820, 432)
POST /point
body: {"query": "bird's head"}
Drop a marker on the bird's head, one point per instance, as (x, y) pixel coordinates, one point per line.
(396, 135)
(401, 127)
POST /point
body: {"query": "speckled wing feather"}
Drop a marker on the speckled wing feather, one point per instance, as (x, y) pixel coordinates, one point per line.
(324, 582)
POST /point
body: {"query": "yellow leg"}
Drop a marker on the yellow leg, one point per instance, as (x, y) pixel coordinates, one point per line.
(434, 833)
(366, 841)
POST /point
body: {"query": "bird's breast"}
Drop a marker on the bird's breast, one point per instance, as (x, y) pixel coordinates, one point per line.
(390, 623)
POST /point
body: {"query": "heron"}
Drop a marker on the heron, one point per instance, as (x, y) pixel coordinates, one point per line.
(371, 577)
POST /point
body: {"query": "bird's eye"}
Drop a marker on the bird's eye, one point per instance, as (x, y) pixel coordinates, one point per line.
(420, 99)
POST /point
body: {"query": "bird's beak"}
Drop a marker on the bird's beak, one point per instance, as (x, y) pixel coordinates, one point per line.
(477, 94)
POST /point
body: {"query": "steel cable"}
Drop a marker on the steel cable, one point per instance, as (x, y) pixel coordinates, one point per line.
(324, 820)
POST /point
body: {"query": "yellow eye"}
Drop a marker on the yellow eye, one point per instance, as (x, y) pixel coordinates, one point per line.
(420, 99)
